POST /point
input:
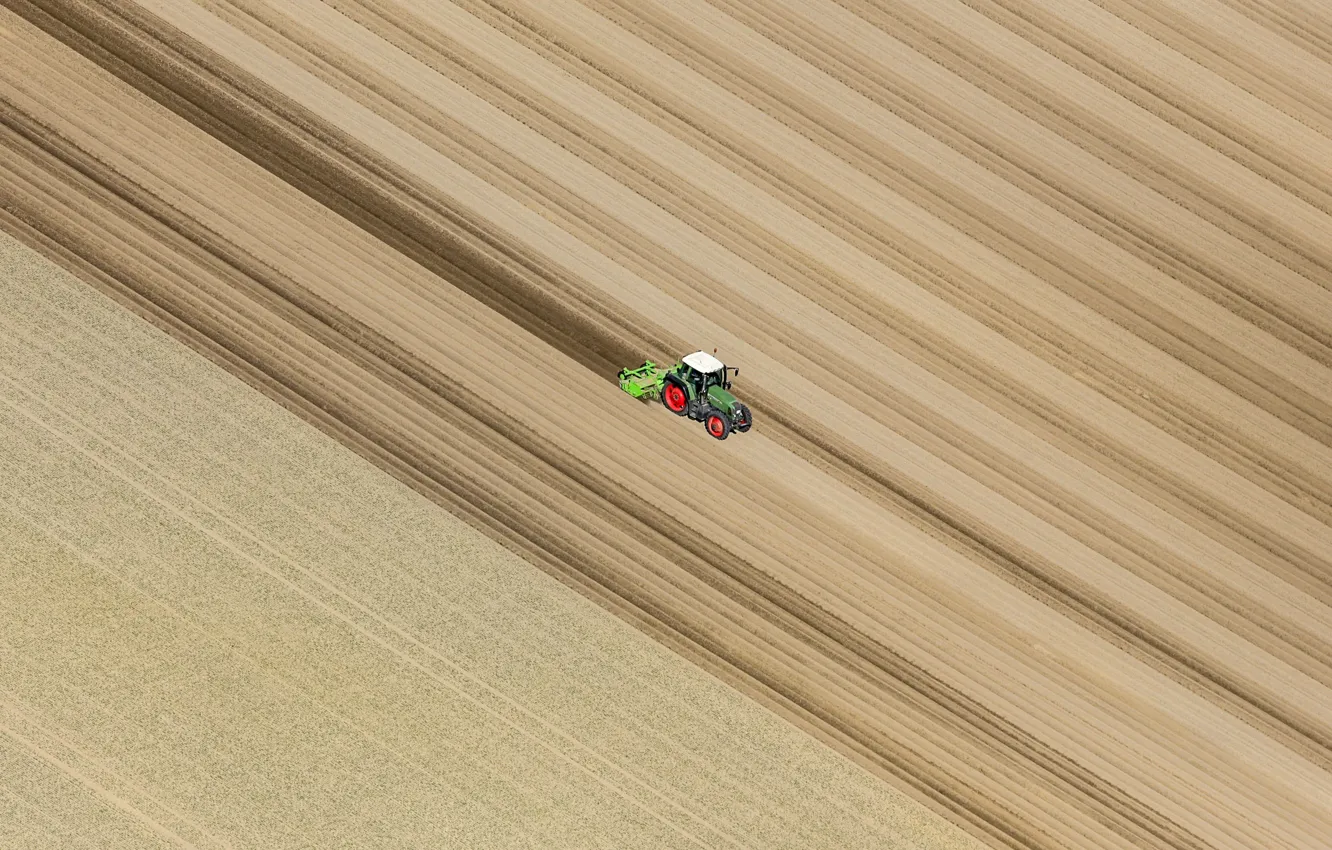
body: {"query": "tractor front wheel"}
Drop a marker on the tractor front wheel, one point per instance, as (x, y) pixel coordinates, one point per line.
(718, 424)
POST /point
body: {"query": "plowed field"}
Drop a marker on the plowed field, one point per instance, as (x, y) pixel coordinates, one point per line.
(1032, 302)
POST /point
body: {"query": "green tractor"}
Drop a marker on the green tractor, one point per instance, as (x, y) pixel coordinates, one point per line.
(697, 386)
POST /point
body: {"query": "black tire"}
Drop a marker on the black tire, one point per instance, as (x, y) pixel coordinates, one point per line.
(717, 423)
(743, 420)
(677, 404)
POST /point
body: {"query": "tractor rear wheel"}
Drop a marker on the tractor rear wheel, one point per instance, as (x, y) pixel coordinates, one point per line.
(675, 398)
(717, 423)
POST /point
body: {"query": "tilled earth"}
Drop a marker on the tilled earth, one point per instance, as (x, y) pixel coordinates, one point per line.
(1032, 303)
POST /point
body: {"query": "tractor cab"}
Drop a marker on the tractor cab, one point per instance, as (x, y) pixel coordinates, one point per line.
(704, 371)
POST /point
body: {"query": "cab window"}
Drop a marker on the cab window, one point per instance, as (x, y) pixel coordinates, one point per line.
(700, 381)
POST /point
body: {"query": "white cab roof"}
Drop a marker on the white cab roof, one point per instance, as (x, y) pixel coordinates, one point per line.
(703, 362)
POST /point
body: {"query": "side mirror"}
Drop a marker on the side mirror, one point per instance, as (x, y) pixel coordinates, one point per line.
(735, 371)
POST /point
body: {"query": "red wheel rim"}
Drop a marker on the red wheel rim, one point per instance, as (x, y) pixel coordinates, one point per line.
(715, 426)
(675, 397)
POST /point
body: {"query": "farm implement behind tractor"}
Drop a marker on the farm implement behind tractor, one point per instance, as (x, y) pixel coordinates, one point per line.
(697, 386)
(643, 382)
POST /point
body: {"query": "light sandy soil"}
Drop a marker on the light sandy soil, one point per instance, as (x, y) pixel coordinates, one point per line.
(1033, 303)
(220, 628)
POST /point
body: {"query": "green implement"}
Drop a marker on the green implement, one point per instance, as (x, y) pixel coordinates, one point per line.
(643, 382)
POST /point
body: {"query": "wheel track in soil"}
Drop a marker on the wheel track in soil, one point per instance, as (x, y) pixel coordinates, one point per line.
(410, 237)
